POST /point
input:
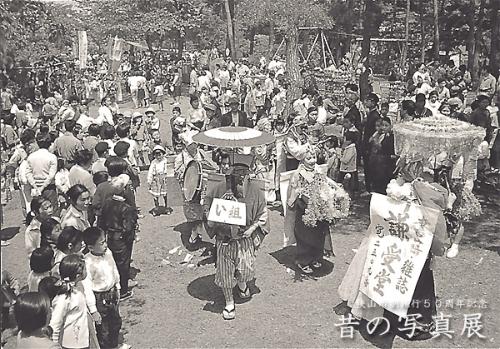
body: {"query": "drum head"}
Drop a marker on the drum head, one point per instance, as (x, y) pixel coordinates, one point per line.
(192, 180)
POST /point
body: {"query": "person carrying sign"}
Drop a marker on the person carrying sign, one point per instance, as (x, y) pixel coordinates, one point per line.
(236, 244)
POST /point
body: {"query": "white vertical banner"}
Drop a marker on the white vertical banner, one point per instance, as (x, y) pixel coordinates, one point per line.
(116, 54)
(400, 236)
(82, 48)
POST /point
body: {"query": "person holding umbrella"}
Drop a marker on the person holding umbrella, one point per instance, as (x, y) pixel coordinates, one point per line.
(236, 245)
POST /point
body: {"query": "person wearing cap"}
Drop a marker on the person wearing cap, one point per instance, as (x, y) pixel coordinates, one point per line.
(214, 119)
(296, 142)
(235, 117)
(236, 245)
(138, 133)
(152, 121)
(157, 180)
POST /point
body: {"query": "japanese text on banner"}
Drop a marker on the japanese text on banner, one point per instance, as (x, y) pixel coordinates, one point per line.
(400, 236)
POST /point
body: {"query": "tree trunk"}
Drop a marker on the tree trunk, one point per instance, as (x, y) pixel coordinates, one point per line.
(181, 40)
(271, 40)
(407, 38)
(346, 42)
(436, 30)
(422, 31)
(292, 67)
(367, 30)
(477, 32)
(230, 29)
(251, 38)
(495, 38)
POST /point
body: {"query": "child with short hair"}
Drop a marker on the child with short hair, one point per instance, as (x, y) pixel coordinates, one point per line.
(348, 162)
(41, 261)
(41, 209)
(70, 242)
(384, 109)
(32, 312)
(50, 230)
(102, 288)
(157, 179)
(69, 320)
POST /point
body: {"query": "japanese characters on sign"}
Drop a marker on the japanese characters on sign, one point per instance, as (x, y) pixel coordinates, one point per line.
(472, 326)
(228, 212)
(400, 238)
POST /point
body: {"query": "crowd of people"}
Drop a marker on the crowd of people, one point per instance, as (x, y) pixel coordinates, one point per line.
(78, 173)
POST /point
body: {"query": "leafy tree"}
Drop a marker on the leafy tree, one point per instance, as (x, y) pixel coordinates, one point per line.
(154, 21)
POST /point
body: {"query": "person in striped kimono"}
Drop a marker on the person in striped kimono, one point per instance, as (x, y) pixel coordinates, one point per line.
(236, 245)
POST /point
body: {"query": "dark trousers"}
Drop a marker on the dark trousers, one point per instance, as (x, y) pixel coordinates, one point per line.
(109, 329)
(122, 254)
(368, 174)
(292, 164)
(352, 185)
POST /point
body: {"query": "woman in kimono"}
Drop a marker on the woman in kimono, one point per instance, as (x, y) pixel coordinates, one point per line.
(310, 240)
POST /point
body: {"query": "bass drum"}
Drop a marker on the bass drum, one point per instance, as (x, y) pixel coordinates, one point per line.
(192, 182)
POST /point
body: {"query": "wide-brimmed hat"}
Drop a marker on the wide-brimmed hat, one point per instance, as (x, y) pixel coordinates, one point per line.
(158, 148)
(150, 110)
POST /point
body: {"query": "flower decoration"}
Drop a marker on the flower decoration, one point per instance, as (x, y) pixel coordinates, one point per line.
(327, 201)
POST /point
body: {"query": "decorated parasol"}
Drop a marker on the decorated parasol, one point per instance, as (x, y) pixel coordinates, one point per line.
(427, 137)
(233, 137)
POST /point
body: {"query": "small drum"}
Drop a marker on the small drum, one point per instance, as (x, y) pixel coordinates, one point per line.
(193, 181)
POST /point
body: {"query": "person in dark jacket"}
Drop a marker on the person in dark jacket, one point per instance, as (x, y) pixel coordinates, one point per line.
(119, 221)
(370, 127)
(235, 117)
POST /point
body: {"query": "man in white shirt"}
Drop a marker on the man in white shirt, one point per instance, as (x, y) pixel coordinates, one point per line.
(41, 166)
(133, 83)
(203, 81)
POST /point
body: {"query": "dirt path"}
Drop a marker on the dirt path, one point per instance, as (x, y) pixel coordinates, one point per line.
(178, 305)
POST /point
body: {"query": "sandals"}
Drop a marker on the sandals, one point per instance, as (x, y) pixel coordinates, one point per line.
(305, 269)
(195, 240)
(316, 265)
(169, 211)
(244, 294)
(229, 314)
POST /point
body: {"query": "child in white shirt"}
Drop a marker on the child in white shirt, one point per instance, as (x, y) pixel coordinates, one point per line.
(102, 288)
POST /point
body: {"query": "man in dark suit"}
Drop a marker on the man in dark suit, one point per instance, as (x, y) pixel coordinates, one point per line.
(235, 117)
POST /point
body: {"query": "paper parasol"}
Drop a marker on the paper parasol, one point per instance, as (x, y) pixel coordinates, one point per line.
(233, 137)
(426, 137)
